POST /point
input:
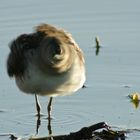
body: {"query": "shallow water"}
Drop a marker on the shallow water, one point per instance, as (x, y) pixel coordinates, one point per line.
(111, 76)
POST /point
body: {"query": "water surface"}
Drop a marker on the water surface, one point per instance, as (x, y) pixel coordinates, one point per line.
(111, 75)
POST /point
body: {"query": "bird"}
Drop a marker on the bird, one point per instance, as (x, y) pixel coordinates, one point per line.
(46, 62)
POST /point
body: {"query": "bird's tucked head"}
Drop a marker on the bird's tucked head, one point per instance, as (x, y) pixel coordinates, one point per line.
(56, 53)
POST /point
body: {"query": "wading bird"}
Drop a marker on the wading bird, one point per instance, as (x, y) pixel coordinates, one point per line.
(46, 62)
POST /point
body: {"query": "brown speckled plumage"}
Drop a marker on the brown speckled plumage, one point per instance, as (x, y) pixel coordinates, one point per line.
(47, 62)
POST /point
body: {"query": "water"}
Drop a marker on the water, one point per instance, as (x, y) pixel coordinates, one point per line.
(111, 76)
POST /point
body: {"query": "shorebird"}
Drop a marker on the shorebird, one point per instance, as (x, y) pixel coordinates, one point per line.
(46, 62)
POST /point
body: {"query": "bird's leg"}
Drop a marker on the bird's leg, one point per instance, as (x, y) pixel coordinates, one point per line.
(49, 115)
(38, 107)
(50, 108)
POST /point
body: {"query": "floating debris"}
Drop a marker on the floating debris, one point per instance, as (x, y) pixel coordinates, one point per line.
(11, 136)
(127, 86)
(135, 99)
(3, 110)
(97, 41)
(99, 131)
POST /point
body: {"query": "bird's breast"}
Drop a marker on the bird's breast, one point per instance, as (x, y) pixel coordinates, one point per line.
(36, 81)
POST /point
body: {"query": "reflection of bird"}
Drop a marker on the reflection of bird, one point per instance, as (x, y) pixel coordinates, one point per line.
(46, 62)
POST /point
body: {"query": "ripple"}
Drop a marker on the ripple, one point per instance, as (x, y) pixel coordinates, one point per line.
(70, 117)
(66, 117)
(26, 119)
